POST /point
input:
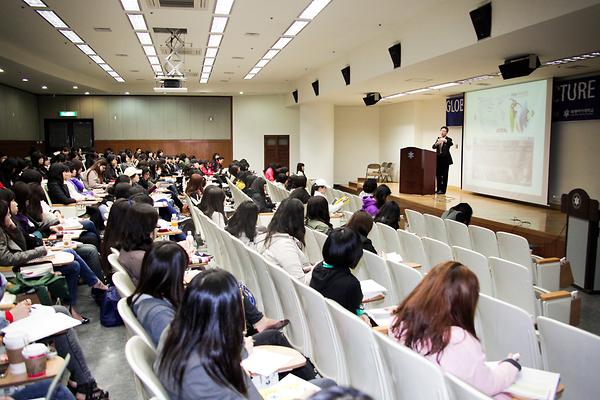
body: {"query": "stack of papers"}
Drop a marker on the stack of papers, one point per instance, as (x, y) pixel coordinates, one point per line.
(395, 257)
(371, 289)
(264, 362)
(535, 384)
(381, 316)
(289, 388)
(42, 322)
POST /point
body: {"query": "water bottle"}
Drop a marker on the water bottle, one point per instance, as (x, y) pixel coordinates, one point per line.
(191, 245)
(174, 221)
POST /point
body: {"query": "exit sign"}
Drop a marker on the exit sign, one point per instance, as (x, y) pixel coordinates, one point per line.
(67, 113)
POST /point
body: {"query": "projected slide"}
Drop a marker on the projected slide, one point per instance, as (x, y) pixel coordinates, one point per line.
(506, 141)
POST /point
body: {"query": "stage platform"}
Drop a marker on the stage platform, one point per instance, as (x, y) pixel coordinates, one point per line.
(544, 227)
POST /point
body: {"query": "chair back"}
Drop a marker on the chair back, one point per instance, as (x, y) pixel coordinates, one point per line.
(123, 283)
(404, 278)
(460, 390)
(483, 240)
(515, 248)
(413, 250)
(389, 236)
(437, 251)
(477, 263)
(360, 352)
(416, 222)
(271, 304)
(513, 284)
(249, 274)
(435, 228)
(410, 375)
(377, 270)
(574, 354)
(320, 237)
(194, 213)
(377, 240)
(311, 248)
(141, 360)
(458, 234)
(113, 260)
(133, 324)
(506, 329)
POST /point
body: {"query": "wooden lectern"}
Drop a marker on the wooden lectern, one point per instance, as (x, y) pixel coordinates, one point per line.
(417, 171)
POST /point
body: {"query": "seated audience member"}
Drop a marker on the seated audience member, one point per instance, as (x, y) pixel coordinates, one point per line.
(437, 321)
(112, 170)
(269, 172)
(93, 178)
(139, 232)
(259, 196)
(368, 188)
(195, 188)
(317, 215)
(461, 212)
(284, 240)
(319, 188)
(281, 180)
(298, 188)
(213, 205)
(340, 393)
(300, 169)
(362, 223)
(332, 277)
(134, 174)
(379, 196)
(389, 214)
(114, 232)
(145, 181)
(242, 223)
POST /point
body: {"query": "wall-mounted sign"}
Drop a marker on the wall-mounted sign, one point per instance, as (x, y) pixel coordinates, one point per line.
(455, 107)
(576, 99)
(67, 113)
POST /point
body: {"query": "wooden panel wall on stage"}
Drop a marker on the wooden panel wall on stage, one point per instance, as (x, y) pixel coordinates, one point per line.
(19, 148)
(202, 149)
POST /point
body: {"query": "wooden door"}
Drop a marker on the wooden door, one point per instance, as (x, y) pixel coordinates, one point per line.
(277, 150)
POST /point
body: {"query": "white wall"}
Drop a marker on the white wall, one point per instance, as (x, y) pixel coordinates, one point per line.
(256, 116)
(18, 115)
(317, 140)
(356, 141)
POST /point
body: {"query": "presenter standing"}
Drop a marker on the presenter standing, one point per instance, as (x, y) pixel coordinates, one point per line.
(442, 146)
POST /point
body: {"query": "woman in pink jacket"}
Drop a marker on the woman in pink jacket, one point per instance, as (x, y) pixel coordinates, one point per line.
(437, 321)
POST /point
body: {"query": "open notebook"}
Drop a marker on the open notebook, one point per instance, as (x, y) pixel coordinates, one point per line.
(289, 388)
(534, 384)
(42, 322)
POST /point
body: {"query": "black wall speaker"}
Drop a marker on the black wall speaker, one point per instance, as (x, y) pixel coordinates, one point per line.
(315, 86)
(346, 74)
(482, 21)
(396, 54)
(295, 95)
(519, 66)
(371, 98)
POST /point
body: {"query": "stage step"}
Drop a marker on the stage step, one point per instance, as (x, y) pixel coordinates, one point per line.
(347, 188)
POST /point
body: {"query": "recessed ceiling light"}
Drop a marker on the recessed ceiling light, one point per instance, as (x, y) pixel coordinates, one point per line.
(144, 38)
(211, 52)
(130, 5)
(214, 40)
(218, 24)
(1, 70)
(51, 17)
(72, 36)
(86, 49)
(35, 3)
(394, 96)
(205, 76)
(98, 60)
(106, 67)
(313, 9)
(119, 79)
(149, 50)
(203, 80)
(25, 79)
(44, 87)
(206, 69)
(443, 85)
(138, 22)
(241, 92)
(223, 7)
(75, 87)
(281, 43)
(114, 74)
(255, 70)
(209, 61)
(249, 76)
(126, 92)
(86, 93)
(262, 63)
(295, 28)
(270, 54)
(154, 60)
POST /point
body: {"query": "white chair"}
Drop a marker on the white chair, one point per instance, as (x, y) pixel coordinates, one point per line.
(360, 352)
(458, 234)
(271, 304)
(483, 240)
(416, 222)
(355, 203)
(477, 263)
(297, 331)
(506, 329)
(377, 270)
(194, 211)
(123, 283)
(513, 284)
(413, 250)
(515, 248)
(573, 353)
(377, 239)
(132, 324)
(233, 260)
(410, 375)
(141, 358)
(390, 238)
(404, 278)
(436, 251)
(113, 260)
(250, 277)
(320, 238)
(460, 390)
(238, 196)
(311, 248)
(325, 344)
(435, 228)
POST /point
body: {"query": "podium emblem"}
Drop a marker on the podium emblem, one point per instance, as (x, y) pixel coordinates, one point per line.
(411, 155)
(576, 200)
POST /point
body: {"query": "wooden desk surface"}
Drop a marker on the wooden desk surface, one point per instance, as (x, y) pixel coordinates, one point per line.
(169, 233)
(52, 368)
(56, 258)
(297, 360)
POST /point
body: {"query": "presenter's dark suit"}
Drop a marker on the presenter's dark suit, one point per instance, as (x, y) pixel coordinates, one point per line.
(444, 161)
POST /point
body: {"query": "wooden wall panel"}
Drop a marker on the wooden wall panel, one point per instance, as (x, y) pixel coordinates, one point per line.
(19, 148)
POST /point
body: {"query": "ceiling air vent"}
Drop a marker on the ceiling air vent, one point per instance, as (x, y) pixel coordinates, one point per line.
(192, 74)
(188, 51)
(195, 4)
(102, 29)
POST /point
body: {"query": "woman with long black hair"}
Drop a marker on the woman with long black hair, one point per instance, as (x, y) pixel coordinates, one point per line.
(317, 215)
(212, 205)
(259, 196)
(242, 223)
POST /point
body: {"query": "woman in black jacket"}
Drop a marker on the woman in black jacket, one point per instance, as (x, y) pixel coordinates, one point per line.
(259, 197)
(362, 223)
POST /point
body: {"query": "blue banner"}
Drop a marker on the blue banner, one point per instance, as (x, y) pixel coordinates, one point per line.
(455, 107)
(576, 99)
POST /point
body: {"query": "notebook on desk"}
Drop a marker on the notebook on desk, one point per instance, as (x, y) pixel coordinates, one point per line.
(43, 321)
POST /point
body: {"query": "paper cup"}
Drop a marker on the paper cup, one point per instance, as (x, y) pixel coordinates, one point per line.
(15, 342)
(35, 356)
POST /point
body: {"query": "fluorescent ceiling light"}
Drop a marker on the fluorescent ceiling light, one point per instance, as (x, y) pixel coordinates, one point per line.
(157, 68)
(205, 75)
(72, 36)
(262, 63)
(206, 69)
(98, 59)
(119, 79)
(130, 5)
(138, 22)
(223, 7)
(443, 85)
(149, 50)
(295, 28)
(281, 43)
(270, 54)
(255, 70)
(126, 92)
(35, 3)
(214, 40)
(209, 61)
(218, 24)
(154, 60)
(86, 49)
(144, 38)
(418, 91)
(114, 74)
(249, 76)
(313, 9)
(394, 96)
(106, 67)
(54, 19)
(1, 70)
(211, 52)
(203, 80)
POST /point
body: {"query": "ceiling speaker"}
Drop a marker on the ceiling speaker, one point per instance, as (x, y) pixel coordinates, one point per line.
(482, 21)
(371, 98)
(315, 86)
(295, 95)
(346, 74)
(395, 54)
(519, 66)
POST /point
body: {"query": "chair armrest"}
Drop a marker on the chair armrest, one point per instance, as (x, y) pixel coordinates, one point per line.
(381, 329)
(559, 294)
(543, 261)
(411, 264)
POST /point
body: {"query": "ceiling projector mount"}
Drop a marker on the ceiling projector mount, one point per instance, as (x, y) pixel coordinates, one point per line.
(173, 81)
(371, 98)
